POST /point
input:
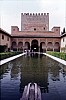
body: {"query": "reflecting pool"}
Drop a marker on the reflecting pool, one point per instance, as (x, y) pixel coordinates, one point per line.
(47, 73)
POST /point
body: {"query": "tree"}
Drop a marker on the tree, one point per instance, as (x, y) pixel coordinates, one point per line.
(63, 30)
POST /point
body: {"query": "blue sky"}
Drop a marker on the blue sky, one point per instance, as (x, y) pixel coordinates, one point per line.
(10, 12)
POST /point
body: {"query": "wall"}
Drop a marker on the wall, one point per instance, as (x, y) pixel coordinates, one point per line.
(6, 41)
(63, 43)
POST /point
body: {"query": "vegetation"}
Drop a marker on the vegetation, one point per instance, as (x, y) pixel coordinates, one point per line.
(5, 55)
(63, 30)
(58, 54)
(2, 48)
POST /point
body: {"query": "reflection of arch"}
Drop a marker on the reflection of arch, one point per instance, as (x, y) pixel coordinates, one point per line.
(34, 45)
(43, 47)
(14, 45)
(56, 46)
(27, 45)
(20, 46)
(50, 46)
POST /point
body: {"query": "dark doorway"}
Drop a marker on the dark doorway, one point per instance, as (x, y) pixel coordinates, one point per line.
(34, 46)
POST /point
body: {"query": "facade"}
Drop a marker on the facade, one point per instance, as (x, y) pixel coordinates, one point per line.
(35, 34)
(63, 43)
(5, 40)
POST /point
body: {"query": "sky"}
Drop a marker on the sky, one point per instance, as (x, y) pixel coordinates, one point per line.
(10, 12)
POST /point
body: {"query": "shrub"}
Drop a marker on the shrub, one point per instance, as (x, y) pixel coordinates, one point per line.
(58, 54)
(8, 54)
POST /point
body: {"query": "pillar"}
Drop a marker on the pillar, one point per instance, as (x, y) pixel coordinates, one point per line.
(39, 45)
(46, 45)
(23, 45)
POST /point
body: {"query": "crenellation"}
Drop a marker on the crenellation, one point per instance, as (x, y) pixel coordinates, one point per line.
(41, 13)
(44, 13)
(35, 14)
(38, 13)
(47, 13)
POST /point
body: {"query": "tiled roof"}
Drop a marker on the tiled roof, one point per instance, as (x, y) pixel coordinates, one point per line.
(4, 32)
(35, 34)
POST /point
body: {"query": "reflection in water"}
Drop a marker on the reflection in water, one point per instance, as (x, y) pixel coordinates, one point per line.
(47, 73)
(35, 70)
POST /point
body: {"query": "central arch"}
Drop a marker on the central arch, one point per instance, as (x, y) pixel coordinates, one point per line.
(34, 46)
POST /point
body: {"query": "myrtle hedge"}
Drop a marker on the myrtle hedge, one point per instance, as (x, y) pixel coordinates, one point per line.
(58, 54)
(8, 54)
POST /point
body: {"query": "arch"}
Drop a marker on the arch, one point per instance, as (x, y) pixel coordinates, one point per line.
(49, 46)
(34, 45)
(57, 47)
(42, 47)
(27, 45)
(20, 46)
(14, 46)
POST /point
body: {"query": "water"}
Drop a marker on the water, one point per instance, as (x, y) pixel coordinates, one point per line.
(47, 73)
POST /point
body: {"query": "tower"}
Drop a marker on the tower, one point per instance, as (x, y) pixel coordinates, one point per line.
(35, 22)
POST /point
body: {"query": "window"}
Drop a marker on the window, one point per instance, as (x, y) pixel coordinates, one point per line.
(13, 29)
(7, 38)
(63, 39)
(3, 37)
(56, 29)
(44, 28)
(34, 29)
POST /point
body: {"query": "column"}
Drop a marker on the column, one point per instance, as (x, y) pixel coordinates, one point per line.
(39, 45)
(23, 45)
(46, 45)
(17, 43)
(53, 45)
(30, 44)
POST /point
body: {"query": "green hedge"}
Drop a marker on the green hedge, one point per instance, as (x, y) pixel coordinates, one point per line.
(8, 54)
(58, 54)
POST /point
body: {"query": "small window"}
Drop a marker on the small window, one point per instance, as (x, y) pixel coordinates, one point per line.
(63, 39)
(13, 29)
(56, 29)
(44, 28)
(3, 37)
(7, 38)
(34, 29)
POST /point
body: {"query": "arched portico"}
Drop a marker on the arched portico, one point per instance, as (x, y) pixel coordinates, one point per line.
(14, 46)
(57, 47)
(27, 46)
(20, 46)
(42, 47)
(34, 45)
(49, 46)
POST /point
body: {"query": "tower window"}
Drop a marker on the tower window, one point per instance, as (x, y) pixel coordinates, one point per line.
(44, 28)
(13, 29)
(56, 29)
(34, 29)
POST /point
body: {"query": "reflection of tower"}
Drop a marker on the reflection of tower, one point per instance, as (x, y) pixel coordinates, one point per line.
(34, 70)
